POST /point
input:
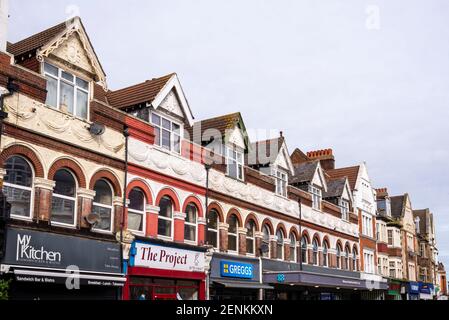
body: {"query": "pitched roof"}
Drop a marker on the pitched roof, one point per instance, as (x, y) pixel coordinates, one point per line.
(397, 206)
(220, 123)
(425, 218)
(335, 187)
(36, 41)
(304, 172)
(138, 93)
(265, 147)
(350, 172)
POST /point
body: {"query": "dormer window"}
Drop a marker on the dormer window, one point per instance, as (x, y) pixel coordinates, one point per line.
(316, 197)
(344, 206)
(167, 133)
(66, 92)
(281, 182)
(234, 163)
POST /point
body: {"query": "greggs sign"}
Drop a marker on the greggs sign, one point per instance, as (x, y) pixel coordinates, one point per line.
(159, 257)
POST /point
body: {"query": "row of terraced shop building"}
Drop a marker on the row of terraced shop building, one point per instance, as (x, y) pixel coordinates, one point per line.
(123, 195)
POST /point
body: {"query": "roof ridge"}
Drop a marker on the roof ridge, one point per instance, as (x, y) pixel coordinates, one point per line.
(222, 116)
(142, 82)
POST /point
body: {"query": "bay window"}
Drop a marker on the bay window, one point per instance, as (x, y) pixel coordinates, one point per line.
(102, 205)
(164, 222)
(63, 207)
(167, 134)
(66, 92)
(18, 186)
(136, 211)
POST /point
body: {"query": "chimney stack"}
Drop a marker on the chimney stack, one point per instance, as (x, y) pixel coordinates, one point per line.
(4, 16)
(326, 158)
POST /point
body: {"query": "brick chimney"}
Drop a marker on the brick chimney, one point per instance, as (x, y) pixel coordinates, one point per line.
(325, 156)
(382, 192)
(4, 9)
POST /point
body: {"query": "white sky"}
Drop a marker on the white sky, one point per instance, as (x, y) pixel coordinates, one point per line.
(312, 69)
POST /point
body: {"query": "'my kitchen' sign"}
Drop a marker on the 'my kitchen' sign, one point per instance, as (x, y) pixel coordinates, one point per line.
(43, 249)
(167, 258)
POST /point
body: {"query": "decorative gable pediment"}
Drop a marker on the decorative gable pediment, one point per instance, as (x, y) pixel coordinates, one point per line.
(347, 194)
(235, 137)
(171, 104)
(318, 178)
(73, 45)
(283, 159)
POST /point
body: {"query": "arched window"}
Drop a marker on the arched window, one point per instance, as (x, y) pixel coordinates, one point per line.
(280, 245)
(18, 186)
(212, 228)
(292, 247)
(304, 244)
(190, 222)
(102, 205)
(63, 204)
(338, 256)
(325, 254)
(346, 266)
(250, 231)
(233, 233)
(354, 260)
(266, 241)
(315, 252)
(165, 220)
(136, 210)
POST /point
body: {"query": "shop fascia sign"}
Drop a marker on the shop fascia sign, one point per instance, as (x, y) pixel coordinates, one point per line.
(167, 258)
(233, 269)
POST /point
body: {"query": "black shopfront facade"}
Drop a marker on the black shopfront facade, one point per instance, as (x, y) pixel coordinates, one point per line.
(291, 282)
(235, 278)
(49, 266)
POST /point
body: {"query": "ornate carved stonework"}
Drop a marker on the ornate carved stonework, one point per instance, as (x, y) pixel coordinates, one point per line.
(72, 51)
(171, 104)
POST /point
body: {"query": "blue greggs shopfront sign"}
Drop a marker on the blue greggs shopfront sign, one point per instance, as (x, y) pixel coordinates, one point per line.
(233, 269)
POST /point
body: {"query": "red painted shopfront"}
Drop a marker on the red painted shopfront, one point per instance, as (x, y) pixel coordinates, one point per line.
(165, 271)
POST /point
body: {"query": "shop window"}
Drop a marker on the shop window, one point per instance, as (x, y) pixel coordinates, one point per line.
(315, 252)
(304, 244)
(266, 241)
(18, 186)
(136, 210)
(325, 254)
(143, 288)
(280, 245)
(292, 247)
(190, 222)
(102, 205)
(233, 233)
(212, 228)
(338, 256)
(250, 243)
(165, 220)
(64, 198)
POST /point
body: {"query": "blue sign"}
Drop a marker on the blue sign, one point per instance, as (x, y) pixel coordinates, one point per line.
(236, 270)
(413, 287)
(425, 288)
(281, 277)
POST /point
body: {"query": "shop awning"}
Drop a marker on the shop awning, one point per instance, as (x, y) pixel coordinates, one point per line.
(242, 284)
(49, 277)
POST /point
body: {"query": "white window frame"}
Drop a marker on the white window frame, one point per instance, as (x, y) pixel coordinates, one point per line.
(315, 254)
(325, 254)
(304, 249)
(293, 248)
(110, 207)
(75, 88)
(236, 235)
(75, 199)
(316, 197)
(282, 246)
(216, 231)
(239, 163)
(266, 241)
(143, 213)
(344, 207)
(172, 133)
(251, 238)
(367, 225)
(172, 221)
(281, 179)
(31, 189)
(190, 224)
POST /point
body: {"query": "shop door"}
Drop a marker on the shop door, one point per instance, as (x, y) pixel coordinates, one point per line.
(162, 296)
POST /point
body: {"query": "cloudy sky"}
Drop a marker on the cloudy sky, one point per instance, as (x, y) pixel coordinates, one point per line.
(369, 79)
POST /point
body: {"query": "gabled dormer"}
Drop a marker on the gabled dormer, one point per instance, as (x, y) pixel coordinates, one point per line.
(65, 56)
(227, 137)
(339, 193)
(162, 103)
(271, 157)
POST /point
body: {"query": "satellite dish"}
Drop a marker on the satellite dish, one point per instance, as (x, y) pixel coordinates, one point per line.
(96, 129)
(92, 219)
(264, 248)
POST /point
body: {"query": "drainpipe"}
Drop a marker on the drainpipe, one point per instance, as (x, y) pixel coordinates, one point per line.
(207, 167)
(122, 218)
